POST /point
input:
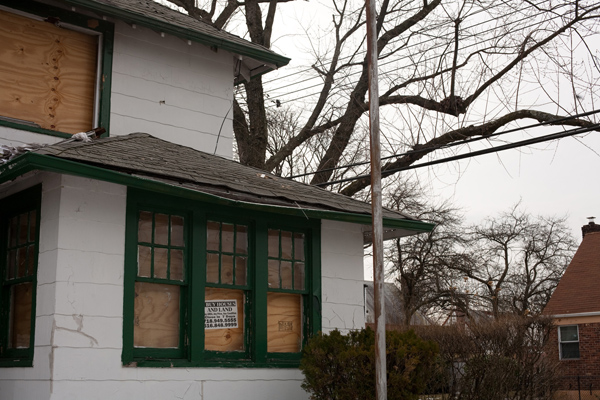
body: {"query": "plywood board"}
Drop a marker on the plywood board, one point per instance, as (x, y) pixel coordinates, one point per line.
(47, 74)
(20, 318)
(227, 339)
(284, 322)
(156, 315)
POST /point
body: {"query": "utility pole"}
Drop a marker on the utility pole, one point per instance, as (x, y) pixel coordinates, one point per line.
(376, 211)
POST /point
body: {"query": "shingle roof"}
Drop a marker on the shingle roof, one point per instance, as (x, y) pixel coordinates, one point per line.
(577, 291)
(154, 15)
(143, 155)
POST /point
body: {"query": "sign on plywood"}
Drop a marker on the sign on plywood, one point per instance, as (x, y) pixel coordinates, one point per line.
(220, 314)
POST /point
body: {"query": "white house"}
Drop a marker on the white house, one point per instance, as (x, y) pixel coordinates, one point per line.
(142, 265)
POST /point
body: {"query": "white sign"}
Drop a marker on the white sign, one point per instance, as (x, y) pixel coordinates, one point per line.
(220, 314)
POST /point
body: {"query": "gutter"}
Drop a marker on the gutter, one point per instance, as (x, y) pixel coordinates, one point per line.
(204, 38)
(32, 161)
(574, 315)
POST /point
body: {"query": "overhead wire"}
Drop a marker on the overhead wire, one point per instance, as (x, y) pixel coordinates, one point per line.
(449, 145)
(495, 149)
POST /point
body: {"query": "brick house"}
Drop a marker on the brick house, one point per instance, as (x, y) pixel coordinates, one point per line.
(151, 265)
(575, 308)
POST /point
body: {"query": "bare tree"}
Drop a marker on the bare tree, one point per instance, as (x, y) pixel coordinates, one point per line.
(516, 261)
(449, 71)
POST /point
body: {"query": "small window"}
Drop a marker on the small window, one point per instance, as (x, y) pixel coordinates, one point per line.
(19, 225)
(568, 338)
(50, 71)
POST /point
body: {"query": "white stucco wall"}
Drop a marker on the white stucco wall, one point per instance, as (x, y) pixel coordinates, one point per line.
(79, 308)
(178, 92)
(165, 87)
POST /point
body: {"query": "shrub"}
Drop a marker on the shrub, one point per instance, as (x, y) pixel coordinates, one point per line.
(342, 367)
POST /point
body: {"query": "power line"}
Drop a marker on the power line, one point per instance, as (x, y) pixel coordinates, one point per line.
(449, 145)
(496, 149)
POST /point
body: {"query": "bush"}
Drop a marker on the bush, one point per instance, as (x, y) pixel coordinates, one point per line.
(342, 367)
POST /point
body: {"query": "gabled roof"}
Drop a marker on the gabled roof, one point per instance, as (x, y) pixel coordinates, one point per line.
(143, 161)
(577, 292)
(256, 58)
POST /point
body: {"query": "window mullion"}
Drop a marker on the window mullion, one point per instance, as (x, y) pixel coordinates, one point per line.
(197, 281)
(261, 278)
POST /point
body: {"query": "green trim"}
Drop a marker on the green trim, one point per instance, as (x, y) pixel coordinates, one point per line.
(200, 37)
(106, 29)
(197, 215)
(33, 161)
(27, 200)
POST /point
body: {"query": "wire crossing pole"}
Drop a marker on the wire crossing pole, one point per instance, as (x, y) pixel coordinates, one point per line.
(372, 54)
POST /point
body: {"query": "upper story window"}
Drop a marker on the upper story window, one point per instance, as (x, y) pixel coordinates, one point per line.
(19, 236)
(568, 338)
(53, 70)
(206, 287)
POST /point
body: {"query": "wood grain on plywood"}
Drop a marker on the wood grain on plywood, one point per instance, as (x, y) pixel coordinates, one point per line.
(284, 322)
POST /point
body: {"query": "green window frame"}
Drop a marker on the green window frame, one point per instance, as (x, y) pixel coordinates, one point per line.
(104, 67)
(226, 265)
(19, 239)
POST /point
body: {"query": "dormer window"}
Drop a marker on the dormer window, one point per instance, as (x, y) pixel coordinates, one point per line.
(51, 71)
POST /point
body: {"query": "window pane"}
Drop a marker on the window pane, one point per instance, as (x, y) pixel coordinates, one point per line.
(161, 229)
(145, 227)
(568, 333)
(212, 268)
(227, 238)
(156, 315)
(284, 322)
(176, 231)
(286, 275)
(12, 231)
(11, 263)
(32, 225)
(241, 241)
(569, 350)
(240, 270)
(30, 259)
(224, 320)
(274, 274)
(299, 276)
(160, 263)
(20, 316)
(23, 228)
(212, 240)
(22, 262)
(176, 265)
(227, 269)
(273, 243)
(299, 246)
(144, 261)
(286, 245)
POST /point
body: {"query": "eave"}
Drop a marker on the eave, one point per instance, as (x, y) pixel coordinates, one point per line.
(39, 162)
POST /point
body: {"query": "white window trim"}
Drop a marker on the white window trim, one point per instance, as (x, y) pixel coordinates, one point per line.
(560, 342)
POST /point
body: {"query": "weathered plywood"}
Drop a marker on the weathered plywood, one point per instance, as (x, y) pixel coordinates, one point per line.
(284, 322)
(20, 318)
(156, 315)
(47, 74)
(230, 339)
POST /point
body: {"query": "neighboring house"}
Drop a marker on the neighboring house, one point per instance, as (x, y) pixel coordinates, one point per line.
(140, 265)
(394, 311)
(575, 308)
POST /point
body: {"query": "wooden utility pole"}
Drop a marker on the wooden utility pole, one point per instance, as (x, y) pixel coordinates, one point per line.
(378, 275)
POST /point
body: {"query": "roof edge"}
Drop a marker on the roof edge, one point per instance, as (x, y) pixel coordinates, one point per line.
(265, 56)
(575, 315)
(33, 161)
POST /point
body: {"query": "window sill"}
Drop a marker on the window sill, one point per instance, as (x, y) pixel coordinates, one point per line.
(213, 364)
(15, 363)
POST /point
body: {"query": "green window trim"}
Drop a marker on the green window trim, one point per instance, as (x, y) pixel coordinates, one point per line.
(24, 208)
(105, 29)
(254, 230)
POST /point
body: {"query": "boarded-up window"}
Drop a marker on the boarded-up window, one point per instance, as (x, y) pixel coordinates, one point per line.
(19, 230)
(284, 322)
(224, 319)
(47, 74)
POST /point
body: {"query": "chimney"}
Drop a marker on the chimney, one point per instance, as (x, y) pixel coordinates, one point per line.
(590, 227)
